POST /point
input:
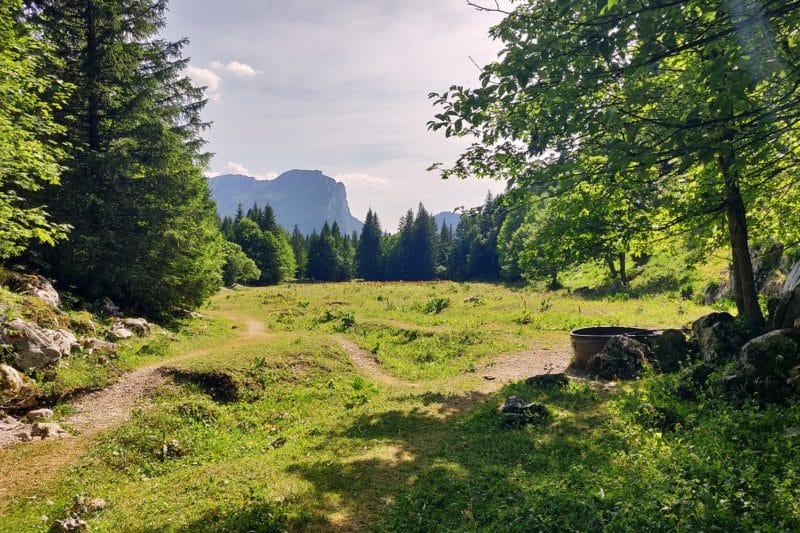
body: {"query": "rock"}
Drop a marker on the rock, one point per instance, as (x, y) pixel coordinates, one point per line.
(23, 436)
(787, 311)
(17, 391)
(39, 415)
(765, 263)
(84, 505)
(705, 322)
(68, 525)
(119, 333)
(9, 423)
(793, 279)
(35, 347)
(35, 286)
(47, 430)
(767, 361)
(139, 326)
(669, 350)
(107, 307)
(623, 358)
(97, 345)
(548, 380)
(518, 412)
(717, 337)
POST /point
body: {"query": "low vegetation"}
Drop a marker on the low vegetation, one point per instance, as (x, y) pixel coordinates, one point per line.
(269, 426)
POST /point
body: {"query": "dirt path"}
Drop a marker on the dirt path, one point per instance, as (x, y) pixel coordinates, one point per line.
(364, 361)
(504, 369)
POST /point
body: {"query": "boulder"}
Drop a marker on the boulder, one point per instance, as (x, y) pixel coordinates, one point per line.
(787, 310)
(138, 326)
(518, 412)
(548, 380)
(35, 286)
(84, 505)
(793, 279)
(47, 430)
(39, 415)
(623, 357)
(35, 347)
(766, 261)
(68, 525)
(17, 391)
(669, 350)
(9, 423)
(108, 308)
(716, 337)
(769, 359)
(119, 333)
(96, 345)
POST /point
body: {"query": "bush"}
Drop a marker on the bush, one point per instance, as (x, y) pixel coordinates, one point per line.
(436, 305)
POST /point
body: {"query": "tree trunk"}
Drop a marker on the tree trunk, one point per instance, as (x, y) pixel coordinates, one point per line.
(744, 284)
(612, 268)
(623, 274)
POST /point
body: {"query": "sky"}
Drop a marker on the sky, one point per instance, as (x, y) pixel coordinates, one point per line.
(340, 87)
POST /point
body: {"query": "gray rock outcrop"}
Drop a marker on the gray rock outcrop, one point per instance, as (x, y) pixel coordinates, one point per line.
(622, 358)
(17, 391)
(35, 347)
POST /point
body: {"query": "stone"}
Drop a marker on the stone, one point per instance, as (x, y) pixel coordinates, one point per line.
(23, 436)
(706, 321)
(770, 358)
(518, 412)
(35, 286)
(765, 264)
(548, 380)
(793, 279)
(39, 415)
(17, 391)
(108, 308)
(119, 333)
(68, 525)
(138, 326)
(787, 310)
(716, 337)
(47, 430)
(622, 358)
(35, 347)
(9, 423)
(84, 505)
(96, 345)
(669, 350)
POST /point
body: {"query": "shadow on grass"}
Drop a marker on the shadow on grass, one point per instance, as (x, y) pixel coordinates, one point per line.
(450, 465)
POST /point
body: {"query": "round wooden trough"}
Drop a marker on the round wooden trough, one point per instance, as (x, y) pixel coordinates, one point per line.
(588, 341)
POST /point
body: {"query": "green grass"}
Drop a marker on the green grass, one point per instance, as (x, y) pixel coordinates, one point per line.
(277, 430)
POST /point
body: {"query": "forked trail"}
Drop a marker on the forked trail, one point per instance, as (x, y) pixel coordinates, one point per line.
(29, 467)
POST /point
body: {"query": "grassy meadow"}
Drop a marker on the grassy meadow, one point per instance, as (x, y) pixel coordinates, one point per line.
(269, 426)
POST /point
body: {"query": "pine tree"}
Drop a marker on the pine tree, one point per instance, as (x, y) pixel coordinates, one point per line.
(423, 243)
(133, 189)
(369, 255)
(300, 249)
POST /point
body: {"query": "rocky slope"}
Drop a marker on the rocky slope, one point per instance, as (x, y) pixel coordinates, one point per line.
(305, 198)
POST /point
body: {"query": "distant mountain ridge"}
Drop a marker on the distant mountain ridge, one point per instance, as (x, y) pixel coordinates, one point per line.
(447, 217)
(305, 198)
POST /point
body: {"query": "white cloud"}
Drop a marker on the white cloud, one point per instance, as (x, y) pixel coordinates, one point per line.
(368, 181)
(232, 167)
(202, 77)
(237, 69)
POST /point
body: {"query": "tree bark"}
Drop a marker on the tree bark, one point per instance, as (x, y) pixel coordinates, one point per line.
(744, 284)
(612, 268)
(623, 274)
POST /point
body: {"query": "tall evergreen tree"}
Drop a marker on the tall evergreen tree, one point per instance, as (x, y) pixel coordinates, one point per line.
(423, 244)
(300, 250)
(133, 189)
(369, 255)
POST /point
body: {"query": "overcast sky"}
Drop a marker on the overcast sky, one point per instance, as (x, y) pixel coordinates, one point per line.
(339, 87)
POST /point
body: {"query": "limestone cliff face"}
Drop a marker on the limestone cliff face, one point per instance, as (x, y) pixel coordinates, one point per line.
(306, 198)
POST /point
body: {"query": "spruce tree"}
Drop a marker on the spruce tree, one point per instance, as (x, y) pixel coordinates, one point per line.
(423, 242)
(369, 255)
(144, 229)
